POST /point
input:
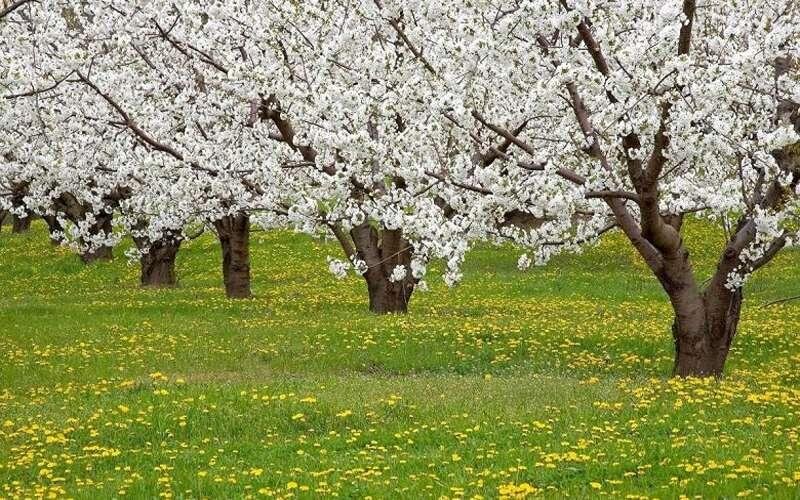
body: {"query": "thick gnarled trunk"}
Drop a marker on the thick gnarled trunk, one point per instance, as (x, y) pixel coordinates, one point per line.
(386, 297)
(20, 224)
(158, 264)
(233, 232)
(382, 253)
(705, 321)
(103, 226)
(702, 345)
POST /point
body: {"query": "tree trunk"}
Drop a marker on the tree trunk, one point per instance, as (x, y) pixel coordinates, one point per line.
(3, 215)
(386, 297)
(103, 253)
(21, 224)
(234, 238)
(54, 226)
(382, 253)
(158, 264)
(702, 346)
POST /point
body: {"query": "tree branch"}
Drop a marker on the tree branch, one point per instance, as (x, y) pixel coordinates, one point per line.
(613, 194)
(14, 6)
(685, 40)
(39, 91)
(179, 46)
(512, 138)
(468, 187)
(402, 34)
(344, 240)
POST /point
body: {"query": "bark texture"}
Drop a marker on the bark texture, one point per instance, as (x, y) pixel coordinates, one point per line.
(20, 224)
(234, 237)
(702, 350)
(382, 252)
(158, 264)
(703, 330)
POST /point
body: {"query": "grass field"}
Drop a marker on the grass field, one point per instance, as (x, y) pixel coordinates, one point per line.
(551, 382)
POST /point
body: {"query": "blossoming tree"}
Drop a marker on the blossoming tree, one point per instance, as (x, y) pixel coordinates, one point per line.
(632, 115)
(229, 112)
(339, 91)
(405, 128)
(52, 165)
(11, 193)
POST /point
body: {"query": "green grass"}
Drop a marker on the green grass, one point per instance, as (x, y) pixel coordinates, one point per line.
(556, 377)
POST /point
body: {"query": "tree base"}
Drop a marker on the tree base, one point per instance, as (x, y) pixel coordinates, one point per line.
(238, 291)
(102, 225)
(234, 238)
(699, 364)
(21, 225)
(388, 302)
(102, 254)
(386, 296)
(158, 273)
(702, 349)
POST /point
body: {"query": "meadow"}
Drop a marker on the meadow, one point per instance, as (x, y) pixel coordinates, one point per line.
(551, 382)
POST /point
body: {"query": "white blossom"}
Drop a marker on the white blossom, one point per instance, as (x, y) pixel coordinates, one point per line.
(398, 274)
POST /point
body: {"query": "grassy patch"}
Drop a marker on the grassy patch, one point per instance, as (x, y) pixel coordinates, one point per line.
(551, 382)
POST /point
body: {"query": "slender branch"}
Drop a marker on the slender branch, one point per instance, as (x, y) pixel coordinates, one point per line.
(270, 109)
(776, 246)
(608, 227)
(613, 194)
(179, 46)
(626, 222)
(402, 34)
(344, 240)
(593, 47)
(502, 132)
(40, 91)
(130, 123)
(468, 187)
(781, 301)
(496, 152)
(14, 6)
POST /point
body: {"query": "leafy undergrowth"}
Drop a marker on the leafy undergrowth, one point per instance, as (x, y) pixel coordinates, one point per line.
(551, 382)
